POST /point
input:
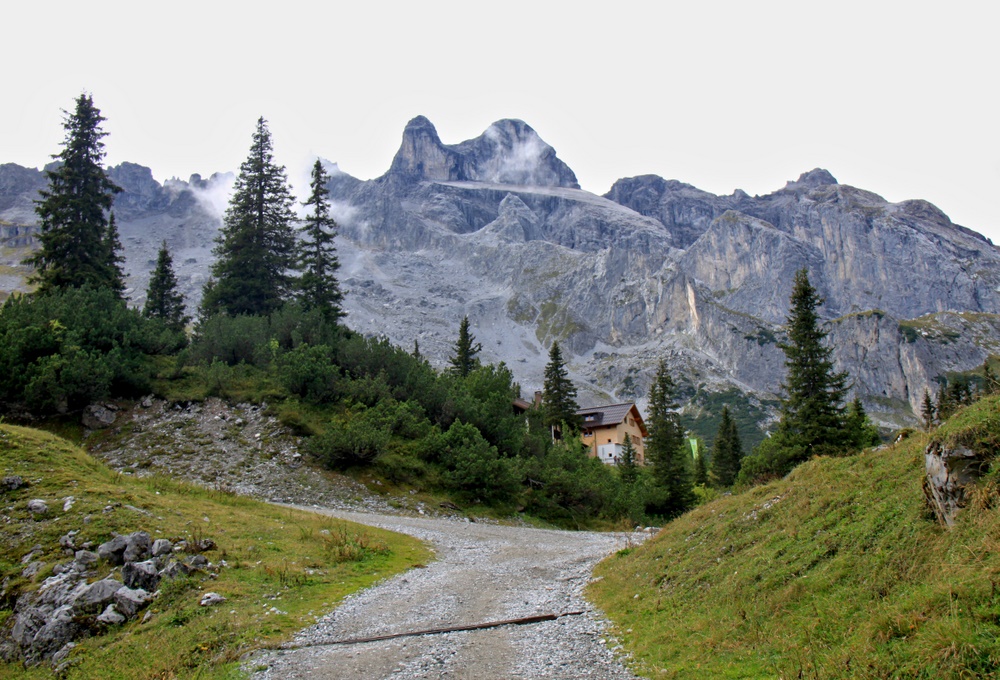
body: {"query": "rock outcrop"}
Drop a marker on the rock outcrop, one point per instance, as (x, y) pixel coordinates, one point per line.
(68, 605)
(951, 470)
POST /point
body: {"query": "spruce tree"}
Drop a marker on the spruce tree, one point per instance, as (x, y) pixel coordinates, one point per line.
(318, 261)
(860, 431)
(558, 393)
(163, 301)
(464, 361)
(700, 466)
(927, 411)
(727, 451)
(812, 417)
(945, 406)
(115, 261)
(628, 468)
(666, 448)
(77, 246)
(256, 246)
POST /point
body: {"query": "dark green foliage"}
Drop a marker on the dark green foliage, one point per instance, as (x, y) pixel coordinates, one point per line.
(954, 394)
(667, 449)
(308, 371)
(812, 416)
(163, 301)
(700, 466)
(358, 441)
(567, 485)
(811, 412)
(256, 246)
(927, 411)
(466, 348)
(79, 245)
(705, 415)
(627, 468)
(474, 468)
(491, 392)
(114, 260)
(991, 383)
(559, 393)
(231, 339)
(861, 432)
(364, 434)
(64, 350)
(728, 452)
(318, 285)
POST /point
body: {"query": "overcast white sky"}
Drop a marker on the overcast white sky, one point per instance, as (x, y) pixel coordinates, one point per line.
(896, 97)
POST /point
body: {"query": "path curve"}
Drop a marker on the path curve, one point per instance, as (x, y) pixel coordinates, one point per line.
(483, 573)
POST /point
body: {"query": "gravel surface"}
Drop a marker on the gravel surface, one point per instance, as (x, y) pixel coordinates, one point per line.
(483, 573)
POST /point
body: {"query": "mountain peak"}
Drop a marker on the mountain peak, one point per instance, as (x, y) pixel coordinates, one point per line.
(508, 152)
(420, 125)
(817, 177)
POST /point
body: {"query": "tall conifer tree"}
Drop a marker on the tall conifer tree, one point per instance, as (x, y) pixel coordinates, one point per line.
(860, 430)
(812, 415)
(927, 411)
(558, 393)
(728, 451)
(318, 260)
(114, 260)
(163, 301)
(628, 468)
(78, 248)
(256, 246)
(464, 360)
(667, 449)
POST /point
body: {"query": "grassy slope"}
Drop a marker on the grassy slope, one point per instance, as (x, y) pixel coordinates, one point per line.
(835, 571)
(298, 563)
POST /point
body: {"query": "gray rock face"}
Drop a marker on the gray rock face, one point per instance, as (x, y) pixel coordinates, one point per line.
(497, 229)
(12, 483)
(138, 545)
(509, 152)
(950, 471)
(97, 595)
(210, 599)
(161, 546)
(111, 617)
(114, 550)
(129, 601)
(98, 417)
(38, 507)
(141, 575)
(85, 558)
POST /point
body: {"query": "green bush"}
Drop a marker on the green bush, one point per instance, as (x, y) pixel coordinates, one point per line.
(358, 440)
(309, 372)
(64, 350)
(231, 340)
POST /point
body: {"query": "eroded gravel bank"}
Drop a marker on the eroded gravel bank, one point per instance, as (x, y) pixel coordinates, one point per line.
(482, 573)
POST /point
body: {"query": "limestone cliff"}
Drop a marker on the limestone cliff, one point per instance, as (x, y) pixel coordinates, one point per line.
(498, 229)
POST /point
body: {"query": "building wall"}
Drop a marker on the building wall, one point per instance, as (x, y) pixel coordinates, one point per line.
(615, 434)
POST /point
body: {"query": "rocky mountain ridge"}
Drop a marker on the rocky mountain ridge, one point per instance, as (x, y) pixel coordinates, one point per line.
(498, 229)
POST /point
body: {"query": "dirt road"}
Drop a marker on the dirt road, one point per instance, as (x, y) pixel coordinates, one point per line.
(483, 573)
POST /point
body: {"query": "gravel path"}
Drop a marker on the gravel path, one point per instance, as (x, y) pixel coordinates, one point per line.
(483, 573)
